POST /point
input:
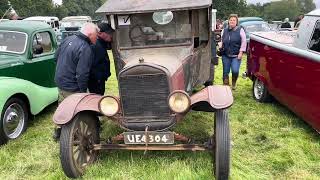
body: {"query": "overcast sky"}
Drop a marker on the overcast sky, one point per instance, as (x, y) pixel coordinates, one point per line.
(58, 1)
(248, 1)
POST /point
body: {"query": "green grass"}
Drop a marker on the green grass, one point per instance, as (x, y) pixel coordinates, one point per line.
(268, 142)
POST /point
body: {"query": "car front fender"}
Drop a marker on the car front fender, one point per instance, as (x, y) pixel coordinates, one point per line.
(212, 98)
(39, 97)
(74, 104)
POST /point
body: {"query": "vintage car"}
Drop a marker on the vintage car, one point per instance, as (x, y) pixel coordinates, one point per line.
(286, 65)
(51, 20)
(26, 74)
(251, 24)
(162, 51)
(71, 25)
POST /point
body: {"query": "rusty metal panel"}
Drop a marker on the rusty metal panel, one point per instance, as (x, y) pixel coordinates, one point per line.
(143, 6)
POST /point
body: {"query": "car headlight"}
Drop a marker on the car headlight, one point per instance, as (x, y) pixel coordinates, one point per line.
(179, 101)
(109, 106)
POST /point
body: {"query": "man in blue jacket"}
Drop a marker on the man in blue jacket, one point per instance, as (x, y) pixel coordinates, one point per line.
(100, 70)
(74, 59)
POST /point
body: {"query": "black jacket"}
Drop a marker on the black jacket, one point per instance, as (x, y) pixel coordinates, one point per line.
(74, 59)
(101, 65)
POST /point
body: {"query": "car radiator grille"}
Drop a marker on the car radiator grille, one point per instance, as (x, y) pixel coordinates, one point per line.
(144, 95)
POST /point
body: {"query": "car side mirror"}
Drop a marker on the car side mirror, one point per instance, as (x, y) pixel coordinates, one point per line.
(37, 49)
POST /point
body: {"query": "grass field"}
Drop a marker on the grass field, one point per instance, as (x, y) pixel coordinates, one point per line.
(268, 142)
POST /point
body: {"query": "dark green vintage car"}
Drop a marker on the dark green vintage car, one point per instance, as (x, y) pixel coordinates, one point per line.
(27, 69)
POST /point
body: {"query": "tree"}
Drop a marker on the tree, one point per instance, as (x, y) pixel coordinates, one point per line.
(227, 7)
(280, 10)
(306, 6)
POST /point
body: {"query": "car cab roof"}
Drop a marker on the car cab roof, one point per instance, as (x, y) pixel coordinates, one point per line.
(23, 26)
(42, 18)
(314, 13)
(77, 18)
(144, 6)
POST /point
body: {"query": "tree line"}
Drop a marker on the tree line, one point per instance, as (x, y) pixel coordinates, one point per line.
(27, 8)
(276, 10)
(270, 11)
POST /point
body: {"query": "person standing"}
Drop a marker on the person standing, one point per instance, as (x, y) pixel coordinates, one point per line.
(100, 71)
(74, 59)
(286, 23)
(233, 46)
(298, 19)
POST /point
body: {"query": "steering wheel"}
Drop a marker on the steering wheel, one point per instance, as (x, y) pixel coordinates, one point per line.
(137, 35)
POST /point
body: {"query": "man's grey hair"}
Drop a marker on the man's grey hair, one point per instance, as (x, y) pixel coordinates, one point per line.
(89, 28)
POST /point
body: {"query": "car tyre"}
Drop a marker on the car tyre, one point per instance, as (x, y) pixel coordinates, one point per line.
(76, 144)
(221, 150)
(260, 92)
(14, 118)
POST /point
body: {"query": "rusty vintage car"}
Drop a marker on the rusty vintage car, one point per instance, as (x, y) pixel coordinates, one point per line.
(162, 51)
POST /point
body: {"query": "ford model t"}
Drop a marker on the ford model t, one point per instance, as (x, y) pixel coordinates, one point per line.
(162, 51)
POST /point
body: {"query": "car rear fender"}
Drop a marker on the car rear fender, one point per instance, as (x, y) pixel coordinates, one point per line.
(212, 98)
(74, 104)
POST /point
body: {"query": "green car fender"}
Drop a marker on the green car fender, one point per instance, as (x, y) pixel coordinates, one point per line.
(39, 97)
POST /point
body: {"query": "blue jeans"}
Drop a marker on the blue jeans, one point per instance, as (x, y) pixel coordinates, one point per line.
(232, 63)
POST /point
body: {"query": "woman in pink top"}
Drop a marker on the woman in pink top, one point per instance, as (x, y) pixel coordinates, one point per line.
(233, 46)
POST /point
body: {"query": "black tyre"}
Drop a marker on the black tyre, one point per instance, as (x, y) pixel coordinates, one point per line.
(76, 144)
(14, 118)
(260, 92)
(221, 150)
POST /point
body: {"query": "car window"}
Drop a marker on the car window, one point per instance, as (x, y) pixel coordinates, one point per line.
(14, 42)
(257, 27)
(315, 40)
(152, 29)
(42, 40)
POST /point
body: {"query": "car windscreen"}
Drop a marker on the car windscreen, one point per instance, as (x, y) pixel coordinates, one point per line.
(154, 29)
(14, 42)
(256, 27)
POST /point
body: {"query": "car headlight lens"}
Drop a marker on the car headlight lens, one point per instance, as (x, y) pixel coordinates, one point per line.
(109, 106)
(179, 101)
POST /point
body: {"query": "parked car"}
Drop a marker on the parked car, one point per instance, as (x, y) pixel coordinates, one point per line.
(251, 24)
(26, 74)
(51, 20)
(254, 26)
(242, 20)
(286, 65)
(71, 25)
(160, 57)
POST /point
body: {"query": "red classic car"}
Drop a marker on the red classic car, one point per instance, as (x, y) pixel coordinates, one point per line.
(286, 65)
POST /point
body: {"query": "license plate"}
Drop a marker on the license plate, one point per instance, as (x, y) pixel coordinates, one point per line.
(153, 137)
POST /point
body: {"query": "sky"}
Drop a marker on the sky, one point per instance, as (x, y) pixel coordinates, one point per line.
(317, 2)
(57, 2)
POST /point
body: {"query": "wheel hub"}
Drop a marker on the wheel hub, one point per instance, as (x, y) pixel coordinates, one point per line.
(13, 120)
(12, 117)
(259, 89)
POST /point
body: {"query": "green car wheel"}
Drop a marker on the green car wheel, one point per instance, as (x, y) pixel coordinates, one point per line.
(14, 119)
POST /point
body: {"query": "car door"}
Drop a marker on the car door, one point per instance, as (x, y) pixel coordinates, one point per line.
(40, 67)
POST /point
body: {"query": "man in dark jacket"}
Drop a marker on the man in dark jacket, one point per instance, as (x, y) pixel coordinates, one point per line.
(74, 59)
(100, 70)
